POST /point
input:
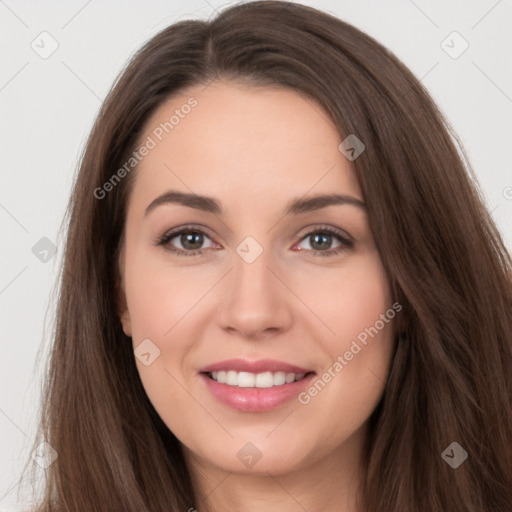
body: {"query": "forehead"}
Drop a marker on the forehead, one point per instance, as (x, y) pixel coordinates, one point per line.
(243, 144)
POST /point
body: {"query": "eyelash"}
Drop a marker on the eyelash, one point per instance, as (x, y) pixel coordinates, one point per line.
(345, 243)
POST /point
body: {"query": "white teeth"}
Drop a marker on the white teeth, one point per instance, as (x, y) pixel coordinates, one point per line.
(245, 380)
(290, 377)
(231, 378)
(264, 380)
(252, 380)
(279, 378)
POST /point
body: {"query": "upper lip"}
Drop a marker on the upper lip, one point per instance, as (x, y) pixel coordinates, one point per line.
(259, 366)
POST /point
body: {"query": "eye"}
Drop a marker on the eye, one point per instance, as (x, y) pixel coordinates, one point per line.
(188, 239)
(320, 241)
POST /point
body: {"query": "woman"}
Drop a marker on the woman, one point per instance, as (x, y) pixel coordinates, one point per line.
(210, 352)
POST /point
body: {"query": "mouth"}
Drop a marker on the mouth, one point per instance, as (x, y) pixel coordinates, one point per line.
(255, 385)
(253, 392)
(256, 380)
(262, 373)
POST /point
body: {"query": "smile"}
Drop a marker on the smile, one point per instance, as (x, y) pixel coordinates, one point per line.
(254, 380)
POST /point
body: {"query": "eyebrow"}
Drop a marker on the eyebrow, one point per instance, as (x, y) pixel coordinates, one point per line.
(294, 207)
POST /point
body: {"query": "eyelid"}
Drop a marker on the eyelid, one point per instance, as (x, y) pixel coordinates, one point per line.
(345, 239)
(173, 233)
(186, 227)
(313, 228)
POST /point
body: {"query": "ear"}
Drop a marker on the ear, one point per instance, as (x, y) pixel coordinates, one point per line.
(124, 314)
(121, 303)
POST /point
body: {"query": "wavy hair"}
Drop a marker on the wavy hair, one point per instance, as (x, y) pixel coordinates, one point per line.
(450, 378)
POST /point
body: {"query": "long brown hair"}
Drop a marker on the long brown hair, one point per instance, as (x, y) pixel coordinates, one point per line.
(451, 378)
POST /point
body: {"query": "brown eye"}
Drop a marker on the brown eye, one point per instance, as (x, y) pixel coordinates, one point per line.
(191, 240)
(321, 242)
(185, 242)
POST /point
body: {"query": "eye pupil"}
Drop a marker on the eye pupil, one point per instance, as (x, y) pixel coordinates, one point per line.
(188, 240)
(316, 239)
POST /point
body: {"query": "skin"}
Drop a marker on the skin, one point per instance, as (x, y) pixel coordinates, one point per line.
(254, 150)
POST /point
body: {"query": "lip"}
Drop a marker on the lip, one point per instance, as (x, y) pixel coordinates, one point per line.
(259, 366)
(255, 399)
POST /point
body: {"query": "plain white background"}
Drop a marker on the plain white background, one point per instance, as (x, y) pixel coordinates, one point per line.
(48, 106)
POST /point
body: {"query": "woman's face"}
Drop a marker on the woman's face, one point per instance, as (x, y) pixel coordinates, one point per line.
(262, 272)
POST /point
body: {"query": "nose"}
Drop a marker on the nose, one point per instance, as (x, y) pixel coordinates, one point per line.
(255, 301)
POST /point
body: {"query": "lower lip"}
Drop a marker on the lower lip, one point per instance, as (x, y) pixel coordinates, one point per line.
(255, 399)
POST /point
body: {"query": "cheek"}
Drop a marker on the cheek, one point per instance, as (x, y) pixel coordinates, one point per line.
(346, 299)
(160, 294)
(161, 300)
(356, 306)
(344, 396)
(362, 318)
